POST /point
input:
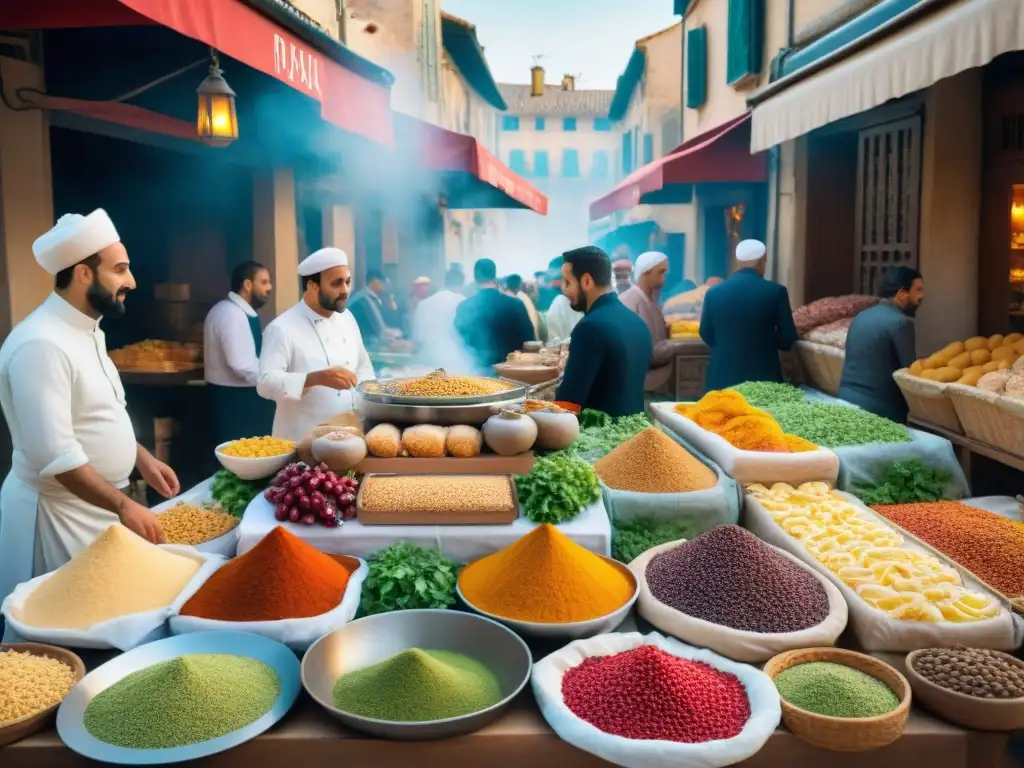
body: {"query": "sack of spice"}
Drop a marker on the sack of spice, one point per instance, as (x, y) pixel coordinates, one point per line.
(116, 593)
(653, 475)
(745, 466)
(283, 589)
(729, 591)
(595, 689)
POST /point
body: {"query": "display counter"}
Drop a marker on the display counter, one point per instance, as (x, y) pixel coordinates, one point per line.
(966, 445)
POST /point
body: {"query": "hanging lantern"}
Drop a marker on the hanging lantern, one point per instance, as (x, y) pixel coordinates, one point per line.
(217, 123)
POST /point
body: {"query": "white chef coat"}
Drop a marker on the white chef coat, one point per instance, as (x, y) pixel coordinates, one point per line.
(65, 406)
(229, 349)
(298, 342)
(562, 318)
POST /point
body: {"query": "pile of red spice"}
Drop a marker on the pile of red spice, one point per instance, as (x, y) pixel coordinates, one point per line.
(647, 693)
(282, 577)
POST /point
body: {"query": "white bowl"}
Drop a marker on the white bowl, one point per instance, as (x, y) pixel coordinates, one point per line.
(252, 469)
(573, 630)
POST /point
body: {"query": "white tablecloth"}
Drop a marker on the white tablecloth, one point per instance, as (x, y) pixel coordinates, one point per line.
(462, 543)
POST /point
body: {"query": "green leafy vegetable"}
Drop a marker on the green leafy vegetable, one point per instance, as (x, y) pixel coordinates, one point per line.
(765, 394)
(905, 482)
(406, 576)
(591, 418)
(233, 493)
(832, 425)
(629, 540)
(557, 488)
(600, 434)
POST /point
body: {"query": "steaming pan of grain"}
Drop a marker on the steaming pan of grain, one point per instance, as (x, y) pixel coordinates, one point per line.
(475, 414)
(375, 392)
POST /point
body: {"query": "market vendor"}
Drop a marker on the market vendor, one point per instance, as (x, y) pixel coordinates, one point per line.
(62, 398)
(881, 341)
(313, 353)
(623, 270)
(649, 276)
(610, 348)
(746, 320)
(232, 338)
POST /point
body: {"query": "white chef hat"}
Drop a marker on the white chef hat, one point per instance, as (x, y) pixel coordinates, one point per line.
(322, 260)
(645, 262)
(73, 239)
(749, 251)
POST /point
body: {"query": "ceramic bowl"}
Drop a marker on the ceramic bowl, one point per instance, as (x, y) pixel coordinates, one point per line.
(574, 630)
(23, 727)
(252, 469)
(374, 639)
(961, 709)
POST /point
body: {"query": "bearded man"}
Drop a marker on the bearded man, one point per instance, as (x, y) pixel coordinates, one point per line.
(313, 353)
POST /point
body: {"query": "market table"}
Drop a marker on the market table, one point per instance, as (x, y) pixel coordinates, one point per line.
(967, 445)
(462, 543)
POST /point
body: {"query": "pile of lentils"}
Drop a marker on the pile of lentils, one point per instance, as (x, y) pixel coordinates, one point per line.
(647, 693)
(729, 577)
(973, 671)
(835, 690)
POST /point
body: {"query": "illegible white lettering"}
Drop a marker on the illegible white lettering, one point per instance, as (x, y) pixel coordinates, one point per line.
(297, 65)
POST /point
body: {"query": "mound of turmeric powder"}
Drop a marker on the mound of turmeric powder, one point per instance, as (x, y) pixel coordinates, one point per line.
(727, 414)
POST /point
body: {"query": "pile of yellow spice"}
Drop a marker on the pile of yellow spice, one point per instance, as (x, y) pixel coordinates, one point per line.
(30, 684)
(258, 447)
(727, 414)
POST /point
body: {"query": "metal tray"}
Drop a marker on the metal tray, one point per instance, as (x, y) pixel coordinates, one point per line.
(425, 517)
(474, 414)
(517, 392)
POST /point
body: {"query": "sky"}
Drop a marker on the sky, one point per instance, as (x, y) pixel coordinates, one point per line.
(592, 38)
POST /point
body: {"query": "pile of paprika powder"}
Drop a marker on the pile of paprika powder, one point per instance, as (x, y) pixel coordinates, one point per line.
(282, 577)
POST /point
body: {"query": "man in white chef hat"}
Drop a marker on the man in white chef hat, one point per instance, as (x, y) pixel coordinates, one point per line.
(643, 298)
(747, 321)
(313, 353)
(74, 447)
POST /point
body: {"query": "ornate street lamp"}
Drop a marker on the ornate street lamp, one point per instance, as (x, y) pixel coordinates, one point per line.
(217, 123)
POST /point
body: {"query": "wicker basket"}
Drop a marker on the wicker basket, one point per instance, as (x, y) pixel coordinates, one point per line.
(989, 418)
(843, 734)
(823, 366)
(928, 400)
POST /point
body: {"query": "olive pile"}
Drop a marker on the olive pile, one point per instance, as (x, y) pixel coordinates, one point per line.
(973, 671)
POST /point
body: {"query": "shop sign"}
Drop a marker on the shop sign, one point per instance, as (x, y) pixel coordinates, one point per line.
(297, 65)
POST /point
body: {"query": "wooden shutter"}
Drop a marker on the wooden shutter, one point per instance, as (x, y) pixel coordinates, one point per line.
(745, 52)
(696, 67)
(888, 200)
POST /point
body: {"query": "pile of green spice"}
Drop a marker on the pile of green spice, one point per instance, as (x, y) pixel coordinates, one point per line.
(632, 538)
(418, 685)
(832, 425)
(767, 394)
(183, 701)
(835, 690)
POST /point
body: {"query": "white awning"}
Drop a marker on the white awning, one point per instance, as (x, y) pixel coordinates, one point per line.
(966, 34)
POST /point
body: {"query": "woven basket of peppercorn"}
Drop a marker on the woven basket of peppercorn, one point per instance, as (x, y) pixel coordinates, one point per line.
(844, 734)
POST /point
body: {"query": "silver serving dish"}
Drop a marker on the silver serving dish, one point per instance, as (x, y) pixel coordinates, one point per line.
(473, 414)
(517, 391)
(374, 639)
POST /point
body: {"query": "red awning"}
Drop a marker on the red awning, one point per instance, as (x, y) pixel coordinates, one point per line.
(120, 113)
(496, 185)
(719, 155)
(347, 100)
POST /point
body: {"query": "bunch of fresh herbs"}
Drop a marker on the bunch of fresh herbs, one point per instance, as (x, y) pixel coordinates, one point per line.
(232, 493)
(406, 576)
(557, 488)
(910, 481)
(832, 425)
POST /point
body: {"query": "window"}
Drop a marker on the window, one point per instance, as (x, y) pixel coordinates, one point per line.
(696, 67)
(568, 123)
(671, 132)
(599, 168)
(648, 148)
(627, 153)
(517, 161)
(540, 163)
(603, 124)
(509, 123)
(746, 40)
(538, 124)
(570, 163)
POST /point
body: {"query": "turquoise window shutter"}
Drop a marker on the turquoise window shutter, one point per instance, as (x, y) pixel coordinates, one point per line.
(746, 39)
(538, 124)
(517, 161)
(599, 168)
(603, 124)
(696, 67)
(540, 163)
(570, 163)
(509, 123)
(568, 123)
(648, 148)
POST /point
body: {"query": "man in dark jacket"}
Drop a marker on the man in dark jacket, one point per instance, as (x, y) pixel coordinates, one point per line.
(490, 323)
(881, 340)
(610, 348)
(746, 320)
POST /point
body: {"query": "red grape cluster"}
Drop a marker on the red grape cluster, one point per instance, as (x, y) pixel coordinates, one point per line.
(304, 494)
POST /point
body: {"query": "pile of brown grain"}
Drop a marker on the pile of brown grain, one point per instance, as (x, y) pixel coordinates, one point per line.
(652, 462)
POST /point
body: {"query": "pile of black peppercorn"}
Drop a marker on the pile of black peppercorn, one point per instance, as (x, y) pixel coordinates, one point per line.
(973, 671)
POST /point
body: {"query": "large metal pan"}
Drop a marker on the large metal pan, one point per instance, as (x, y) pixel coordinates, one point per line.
(517, 391)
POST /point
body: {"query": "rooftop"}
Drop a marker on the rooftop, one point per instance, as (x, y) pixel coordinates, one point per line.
(555, 101)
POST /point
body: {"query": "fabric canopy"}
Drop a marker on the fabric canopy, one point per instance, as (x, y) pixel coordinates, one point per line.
(123, 114)
(347, 100)
(719, 155)
(479, 179)
(960, 36)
